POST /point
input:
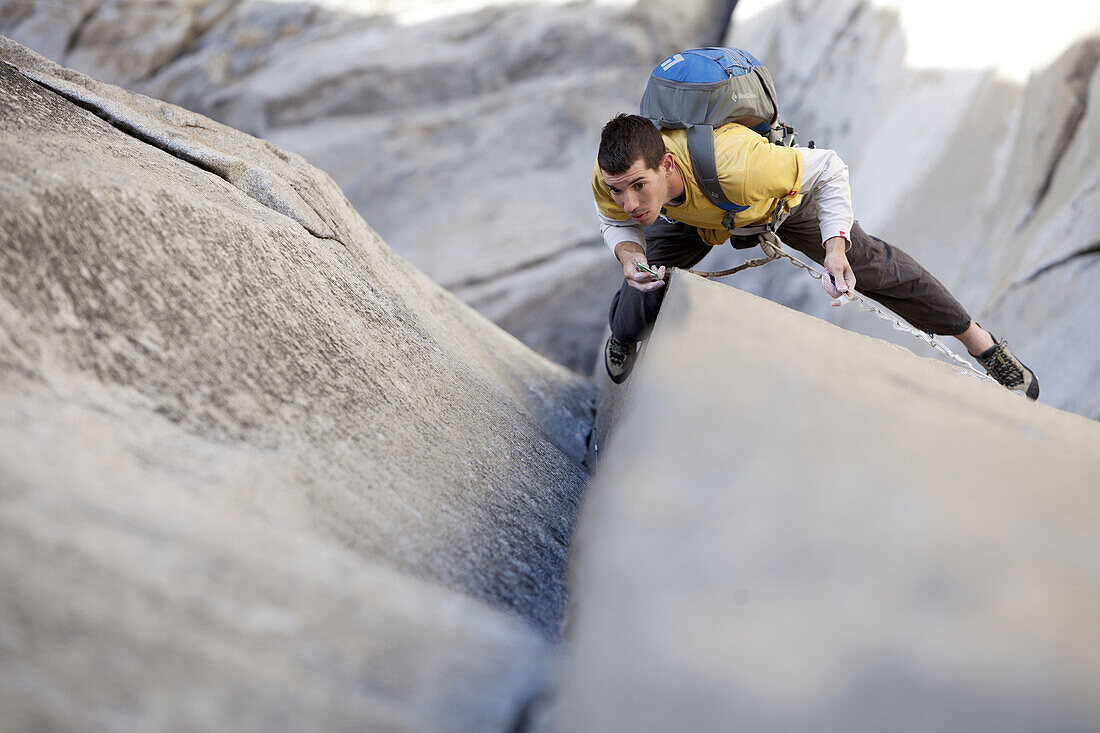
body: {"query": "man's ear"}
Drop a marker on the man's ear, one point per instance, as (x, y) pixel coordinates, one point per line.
(666, 164)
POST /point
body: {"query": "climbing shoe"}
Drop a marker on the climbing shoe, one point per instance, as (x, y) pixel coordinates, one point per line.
(1002, 365)
(618, 358)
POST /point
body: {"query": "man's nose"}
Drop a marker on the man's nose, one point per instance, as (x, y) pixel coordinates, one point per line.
(630, 202)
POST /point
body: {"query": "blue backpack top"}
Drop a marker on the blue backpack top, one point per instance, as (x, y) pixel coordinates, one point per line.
(703, 88)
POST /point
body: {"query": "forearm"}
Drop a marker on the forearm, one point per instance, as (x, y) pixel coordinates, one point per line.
(629, 252)
(836, 245)
(616, 232)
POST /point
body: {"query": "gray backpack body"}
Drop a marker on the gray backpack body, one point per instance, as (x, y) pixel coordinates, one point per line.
(702, 88)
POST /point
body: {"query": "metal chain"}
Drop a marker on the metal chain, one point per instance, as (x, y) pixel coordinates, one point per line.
(756, 262)
(773, 251)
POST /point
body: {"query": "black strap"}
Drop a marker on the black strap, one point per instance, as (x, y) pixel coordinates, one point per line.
(700, 141)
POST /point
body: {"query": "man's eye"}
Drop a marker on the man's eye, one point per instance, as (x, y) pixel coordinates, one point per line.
(639, 186)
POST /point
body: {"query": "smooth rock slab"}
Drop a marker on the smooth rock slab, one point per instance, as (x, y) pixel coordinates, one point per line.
(794, 527)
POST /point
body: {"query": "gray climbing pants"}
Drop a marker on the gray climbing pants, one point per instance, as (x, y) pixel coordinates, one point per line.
(883, 272)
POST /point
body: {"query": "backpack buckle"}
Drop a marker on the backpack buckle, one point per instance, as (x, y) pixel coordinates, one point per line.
(782, 134)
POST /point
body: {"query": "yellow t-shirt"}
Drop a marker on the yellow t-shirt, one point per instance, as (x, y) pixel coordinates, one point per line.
(752, 172)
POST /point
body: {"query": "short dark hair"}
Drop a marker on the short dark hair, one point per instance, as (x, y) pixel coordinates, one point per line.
(627, 138)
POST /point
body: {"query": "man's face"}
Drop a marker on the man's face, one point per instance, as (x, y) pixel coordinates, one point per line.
(641, 191)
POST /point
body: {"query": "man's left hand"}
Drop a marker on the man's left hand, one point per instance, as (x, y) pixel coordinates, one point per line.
(838, 277)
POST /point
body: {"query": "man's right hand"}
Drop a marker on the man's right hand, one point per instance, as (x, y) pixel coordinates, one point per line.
(630, 254)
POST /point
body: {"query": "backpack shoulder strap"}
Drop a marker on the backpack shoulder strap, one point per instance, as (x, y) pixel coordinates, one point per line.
(700, 142)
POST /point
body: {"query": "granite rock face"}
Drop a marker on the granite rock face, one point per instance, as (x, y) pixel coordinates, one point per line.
(464, 132)
(257, 471)
(765, 547)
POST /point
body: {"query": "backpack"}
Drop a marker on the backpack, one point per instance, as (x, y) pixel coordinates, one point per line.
(701, 88)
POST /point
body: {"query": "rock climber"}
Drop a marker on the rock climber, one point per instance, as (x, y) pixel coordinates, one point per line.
(653, 214)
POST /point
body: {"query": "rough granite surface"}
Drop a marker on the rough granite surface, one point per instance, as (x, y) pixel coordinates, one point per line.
(256, 470)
